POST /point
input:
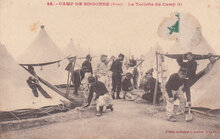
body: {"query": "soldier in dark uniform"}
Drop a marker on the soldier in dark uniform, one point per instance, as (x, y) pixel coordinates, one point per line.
(103, 98)
(175, 88)
(88, 72)
(87, 64)
(132, 64)
(126, 84)
(116, 69)
(190, 65)
(149, 88)
(135, 78)
(77, 77)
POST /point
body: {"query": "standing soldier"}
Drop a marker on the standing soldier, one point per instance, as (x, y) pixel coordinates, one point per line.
(132, 64)
(135, 78)
(87, 68)
(110, 62)
(87, 65)
(101, 71)
(77, 77)
(116, 69)
(190, 65)
(175, 87)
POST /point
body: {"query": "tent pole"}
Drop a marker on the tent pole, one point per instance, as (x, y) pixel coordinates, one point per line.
(69, 78)
(67, 89)
(162, 79)
(14, 116)
(156, 84)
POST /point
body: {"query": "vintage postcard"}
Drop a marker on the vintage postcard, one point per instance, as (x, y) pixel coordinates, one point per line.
(109, 69)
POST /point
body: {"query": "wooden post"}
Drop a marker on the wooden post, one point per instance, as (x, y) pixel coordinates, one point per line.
(67, 88)
(69, 77)
(162, 80)
(156, 84)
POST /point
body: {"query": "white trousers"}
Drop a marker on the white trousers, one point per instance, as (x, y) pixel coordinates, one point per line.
(103, 101)
(170, 106)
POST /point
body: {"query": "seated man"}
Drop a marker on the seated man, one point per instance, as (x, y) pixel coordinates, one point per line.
(199, 75)
(103, 98)
(175, 88)
(149, 87)
(127, 88)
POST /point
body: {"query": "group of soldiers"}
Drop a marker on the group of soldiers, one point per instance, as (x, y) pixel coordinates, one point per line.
(180, 83)
(107, 80)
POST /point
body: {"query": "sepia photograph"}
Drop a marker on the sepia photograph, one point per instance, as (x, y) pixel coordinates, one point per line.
(109, 69)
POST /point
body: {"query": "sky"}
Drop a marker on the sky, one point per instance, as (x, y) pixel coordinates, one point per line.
(102, 30)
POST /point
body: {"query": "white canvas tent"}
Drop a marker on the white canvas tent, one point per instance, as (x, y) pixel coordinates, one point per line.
(205, 92)
(188, 39)
(14, 90)
(44, 50)
(150, 57)
(74, 50)
(71, 49)
(150, 60)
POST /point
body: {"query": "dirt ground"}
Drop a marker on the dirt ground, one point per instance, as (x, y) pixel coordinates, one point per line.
(128, 120)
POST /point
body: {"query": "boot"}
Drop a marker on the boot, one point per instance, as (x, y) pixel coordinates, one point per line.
(100, 111)
(113, 95)
(75, 93)
(110, 107)
(124, 96)
(118, 95)
(171, 119)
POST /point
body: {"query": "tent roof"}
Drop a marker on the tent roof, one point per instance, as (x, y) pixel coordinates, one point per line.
(150, 57)
(71, 49)
(41, 50)
(205, 92)
(189, 39)
(15, 92)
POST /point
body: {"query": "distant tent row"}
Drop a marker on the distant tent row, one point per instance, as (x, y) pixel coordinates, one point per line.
(44, 50)
(75, 50)
(150, 62)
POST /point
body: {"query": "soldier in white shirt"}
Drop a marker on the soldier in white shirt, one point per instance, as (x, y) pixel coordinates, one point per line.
(102, 71)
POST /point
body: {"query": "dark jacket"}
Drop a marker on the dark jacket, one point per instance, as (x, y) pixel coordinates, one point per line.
(191, 67)
(174, 83)
(149, 86)
(97, 87)
(77, 77)
(116, 66)
(135, 73)
(126, 84)
(88, 66)
(132, 62)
